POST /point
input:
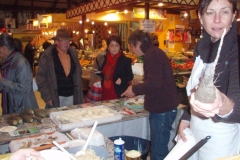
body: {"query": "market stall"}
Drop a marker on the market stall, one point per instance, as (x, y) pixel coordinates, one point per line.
(126, 120)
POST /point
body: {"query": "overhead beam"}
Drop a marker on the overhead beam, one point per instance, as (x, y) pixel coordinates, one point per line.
(19, 7)
(100, 5)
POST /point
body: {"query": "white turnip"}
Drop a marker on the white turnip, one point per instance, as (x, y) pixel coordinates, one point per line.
(206, 91)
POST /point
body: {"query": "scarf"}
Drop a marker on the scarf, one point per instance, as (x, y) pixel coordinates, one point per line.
(109, 68)
(5, 67)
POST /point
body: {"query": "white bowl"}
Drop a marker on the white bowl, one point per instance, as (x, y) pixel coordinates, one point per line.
(99, 151)
(54, 155)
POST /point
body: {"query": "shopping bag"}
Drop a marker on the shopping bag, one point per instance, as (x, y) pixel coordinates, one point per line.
(95, 93)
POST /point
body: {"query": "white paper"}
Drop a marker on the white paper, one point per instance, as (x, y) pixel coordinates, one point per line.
(137, 69)
(181, 147)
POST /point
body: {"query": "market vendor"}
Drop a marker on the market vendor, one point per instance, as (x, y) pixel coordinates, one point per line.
(159, 88)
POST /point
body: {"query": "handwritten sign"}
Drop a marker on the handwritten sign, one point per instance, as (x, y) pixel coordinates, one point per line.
(147, 25)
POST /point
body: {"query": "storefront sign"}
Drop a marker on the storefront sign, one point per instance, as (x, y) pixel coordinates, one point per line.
(153, 13)
(147, 25)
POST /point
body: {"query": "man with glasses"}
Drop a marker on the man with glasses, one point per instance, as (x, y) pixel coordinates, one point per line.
(59, 73)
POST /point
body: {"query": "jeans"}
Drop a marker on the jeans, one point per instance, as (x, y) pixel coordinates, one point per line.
(66, 101)
(160, 127)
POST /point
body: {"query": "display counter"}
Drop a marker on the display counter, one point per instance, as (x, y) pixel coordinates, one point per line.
(136, 124)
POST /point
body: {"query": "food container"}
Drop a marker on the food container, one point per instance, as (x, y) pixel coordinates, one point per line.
(99, 151)
(133, 155)
(119, 149)
(70, 119)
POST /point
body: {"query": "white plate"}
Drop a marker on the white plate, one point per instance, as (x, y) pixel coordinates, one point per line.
(8, 129)
(54, 155)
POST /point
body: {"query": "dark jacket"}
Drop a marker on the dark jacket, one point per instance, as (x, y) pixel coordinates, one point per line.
(29, 53)
(123, 71)
(159, 85)
(19, 85)
(47, 82)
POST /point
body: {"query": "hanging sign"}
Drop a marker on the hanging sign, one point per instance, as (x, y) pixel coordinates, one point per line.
(10, 23)
(153, 13)
(193, 14)
(147, 25)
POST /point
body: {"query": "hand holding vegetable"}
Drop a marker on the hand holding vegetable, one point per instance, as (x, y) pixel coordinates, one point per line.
(221, 105)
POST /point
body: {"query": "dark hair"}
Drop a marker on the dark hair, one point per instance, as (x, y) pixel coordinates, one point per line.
(115, 38)
(74, 44)
(18, 44)
(139, 35)
(155, 39)
(8, 41)
(46, 44)
(203, 5)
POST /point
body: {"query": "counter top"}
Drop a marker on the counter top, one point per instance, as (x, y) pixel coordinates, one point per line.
(48, 126)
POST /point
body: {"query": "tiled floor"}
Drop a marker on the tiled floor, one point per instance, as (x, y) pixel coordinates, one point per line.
(40, 101)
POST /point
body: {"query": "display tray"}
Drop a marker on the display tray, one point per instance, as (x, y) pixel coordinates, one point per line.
(135, 103)
(84, 117)
(38, 142)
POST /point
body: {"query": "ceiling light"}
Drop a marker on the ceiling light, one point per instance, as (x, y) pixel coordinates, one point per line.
(92, 23)
(117, 12)
(80, 21)
(105, 23)
(87, 20)
(160, 4)
(125, 11)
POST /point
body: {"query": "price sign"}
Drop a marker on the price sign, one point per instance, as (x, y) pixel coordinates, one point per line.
(147, 25)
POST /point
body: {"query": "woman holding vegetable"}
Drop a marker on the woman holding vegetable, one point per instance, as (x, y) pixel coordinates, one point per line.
(218, 118)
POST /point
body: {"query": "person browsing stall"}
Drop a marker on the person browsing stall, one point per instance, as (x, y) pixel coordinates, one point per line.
(161, 98)
(29, 52)
(115, 68)
(59, 73)
(219, 118)
(16, 78)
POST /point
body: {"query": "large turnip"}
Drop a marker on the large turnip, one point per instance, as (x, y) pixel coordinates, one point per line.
(206, 91)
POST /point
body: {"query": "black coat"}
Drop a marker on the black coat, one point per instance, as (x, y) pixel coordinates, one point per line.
(123, 71)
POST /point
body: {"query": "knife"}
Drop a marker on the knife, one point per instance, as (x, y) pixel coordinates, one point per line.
(195, 148)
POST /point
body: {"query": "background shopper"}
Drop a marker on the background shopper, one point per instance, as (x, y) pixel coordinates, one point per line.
(115, 68)
(29, 52)
(59, 73)
(16, 78)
